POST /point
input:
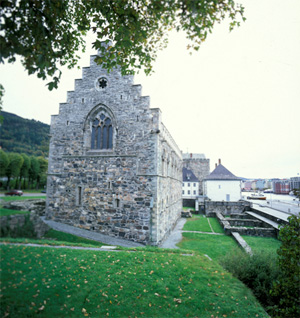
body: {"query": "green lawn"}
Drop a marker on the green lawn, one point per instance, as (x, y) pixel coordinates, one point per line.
(49, 282)
(216, 225)
(215, 246)
(15, 198)
(262, 243)
(200, 223)
(197, 223)
(5, 212)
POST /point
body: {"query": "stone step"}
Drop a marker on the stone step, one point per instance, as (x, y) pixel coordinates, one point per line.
(264, 219)
(242, 242)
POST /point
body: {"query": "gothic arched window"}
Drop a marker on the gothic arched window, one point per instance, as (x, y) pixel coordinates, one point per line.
(102, 132)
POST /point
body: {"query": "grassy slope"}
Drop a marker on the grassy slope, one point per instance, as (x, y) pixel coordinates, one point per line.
(5, 212)
(47, 282)
(263, 243)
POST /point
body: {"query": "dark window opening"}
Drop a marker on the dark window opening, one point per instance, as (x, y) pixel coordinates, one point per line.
(102, 133)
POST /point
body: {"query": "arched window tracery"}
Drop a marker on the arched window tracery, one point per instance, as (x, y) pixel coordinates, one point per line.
(102, 132)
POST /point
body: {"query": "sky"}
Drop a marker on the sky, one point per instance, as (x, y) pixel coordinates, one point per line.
(237, 99)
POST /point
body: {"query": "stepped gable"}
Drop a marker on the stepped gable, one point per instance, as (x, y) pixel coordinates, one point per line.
(221, 173)
(188, 175)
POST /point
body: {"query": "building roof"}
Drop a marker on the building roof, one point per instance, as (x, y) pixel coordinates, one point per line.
(193, 156)
(221, 173)
(188, 176)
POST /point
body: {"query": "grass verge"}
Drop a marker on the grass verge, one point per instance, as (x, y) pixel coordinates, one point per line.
(14, 198)
(269, 244)
(216, 225)
(215, 246)
(46, 282)
(5, 212)
(197, 223)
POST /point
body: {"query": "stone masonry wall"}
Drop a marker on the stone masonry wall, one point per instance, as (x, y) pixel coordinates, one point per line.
(226, 208)
(200, 167)
(114, 191)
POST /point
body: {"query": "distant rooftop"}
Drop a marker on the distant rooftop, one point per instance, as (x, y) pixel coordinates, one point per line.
(221, 173)
(188, 176)
(193, 156)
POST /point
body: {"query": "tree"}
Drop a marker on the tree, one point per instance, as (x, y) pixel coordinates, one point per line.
(24, 169)
(4, 161)
(33, 170)
(287, 287)
(42, 177)
(47, 34)
(14, 166)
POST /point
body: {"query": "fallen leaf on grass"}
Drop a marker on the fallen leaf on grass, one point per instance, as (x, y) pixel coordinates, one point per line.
(177, 300)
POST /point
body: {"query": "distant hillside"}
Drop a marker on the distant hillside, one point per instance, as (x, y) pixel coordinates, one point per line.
(22, 135)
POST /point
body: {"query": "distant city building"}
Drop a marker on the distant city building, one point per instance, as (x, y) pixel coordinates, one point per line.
(260, 184)
(190, 185)
(281, 186)
(197, 163)
(222, 185)
(295, 183)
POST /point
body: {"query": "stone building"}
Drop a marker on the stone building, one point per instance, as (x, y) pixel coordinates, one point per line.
(199, 165)
(113, 166)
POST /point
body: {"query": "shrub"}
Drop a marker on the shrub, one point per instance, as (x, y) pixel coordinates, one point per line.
(287, 287)
(258, 272)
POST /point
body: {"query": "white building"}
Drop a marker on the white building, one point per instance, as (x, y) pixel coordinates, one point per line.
(190, 185)
(222, 185)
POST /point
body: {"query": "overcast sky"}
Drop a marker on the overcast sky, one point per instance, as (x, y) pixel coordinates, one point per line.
(237, 99)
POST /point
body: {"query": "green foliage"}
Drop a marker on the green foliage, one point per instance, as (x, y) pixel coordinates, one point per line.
(4, 161)
(258, 272)
(48, 34)
(22, 135)
(14, 166)
(2, 90)
(286, 288)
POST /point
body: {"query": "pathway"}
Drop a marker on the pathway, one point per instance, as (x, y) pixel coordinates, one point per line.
(90, 235)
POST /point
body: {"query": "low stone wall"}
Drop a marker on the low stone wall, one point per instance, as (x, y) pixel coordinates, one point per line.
(13, 222)
(226, 208)
(242, 230)
(33, 205)
(247, 222)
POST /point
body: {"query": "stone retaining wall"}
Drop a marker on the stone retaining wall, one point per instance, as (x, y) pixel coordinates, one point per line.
(12, 222)
(242, 230)
(36, 205)
(226, 208)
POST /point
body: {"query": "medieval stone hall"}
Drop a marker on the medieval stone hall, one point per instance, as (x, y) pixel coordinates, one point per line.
(113, 166)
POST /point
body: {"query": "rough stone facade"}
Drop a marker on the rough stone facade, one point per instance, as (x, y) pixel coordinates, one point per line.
(199, 165)
(113, 166)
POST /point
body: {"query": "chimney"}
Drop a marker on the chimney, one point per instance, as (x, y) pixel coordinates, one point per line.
(219, 161)
(216, 165)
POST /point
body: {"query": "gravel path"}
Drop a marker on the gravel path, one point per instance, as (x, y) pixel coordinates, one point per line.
(90, 235)
(175, 236)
